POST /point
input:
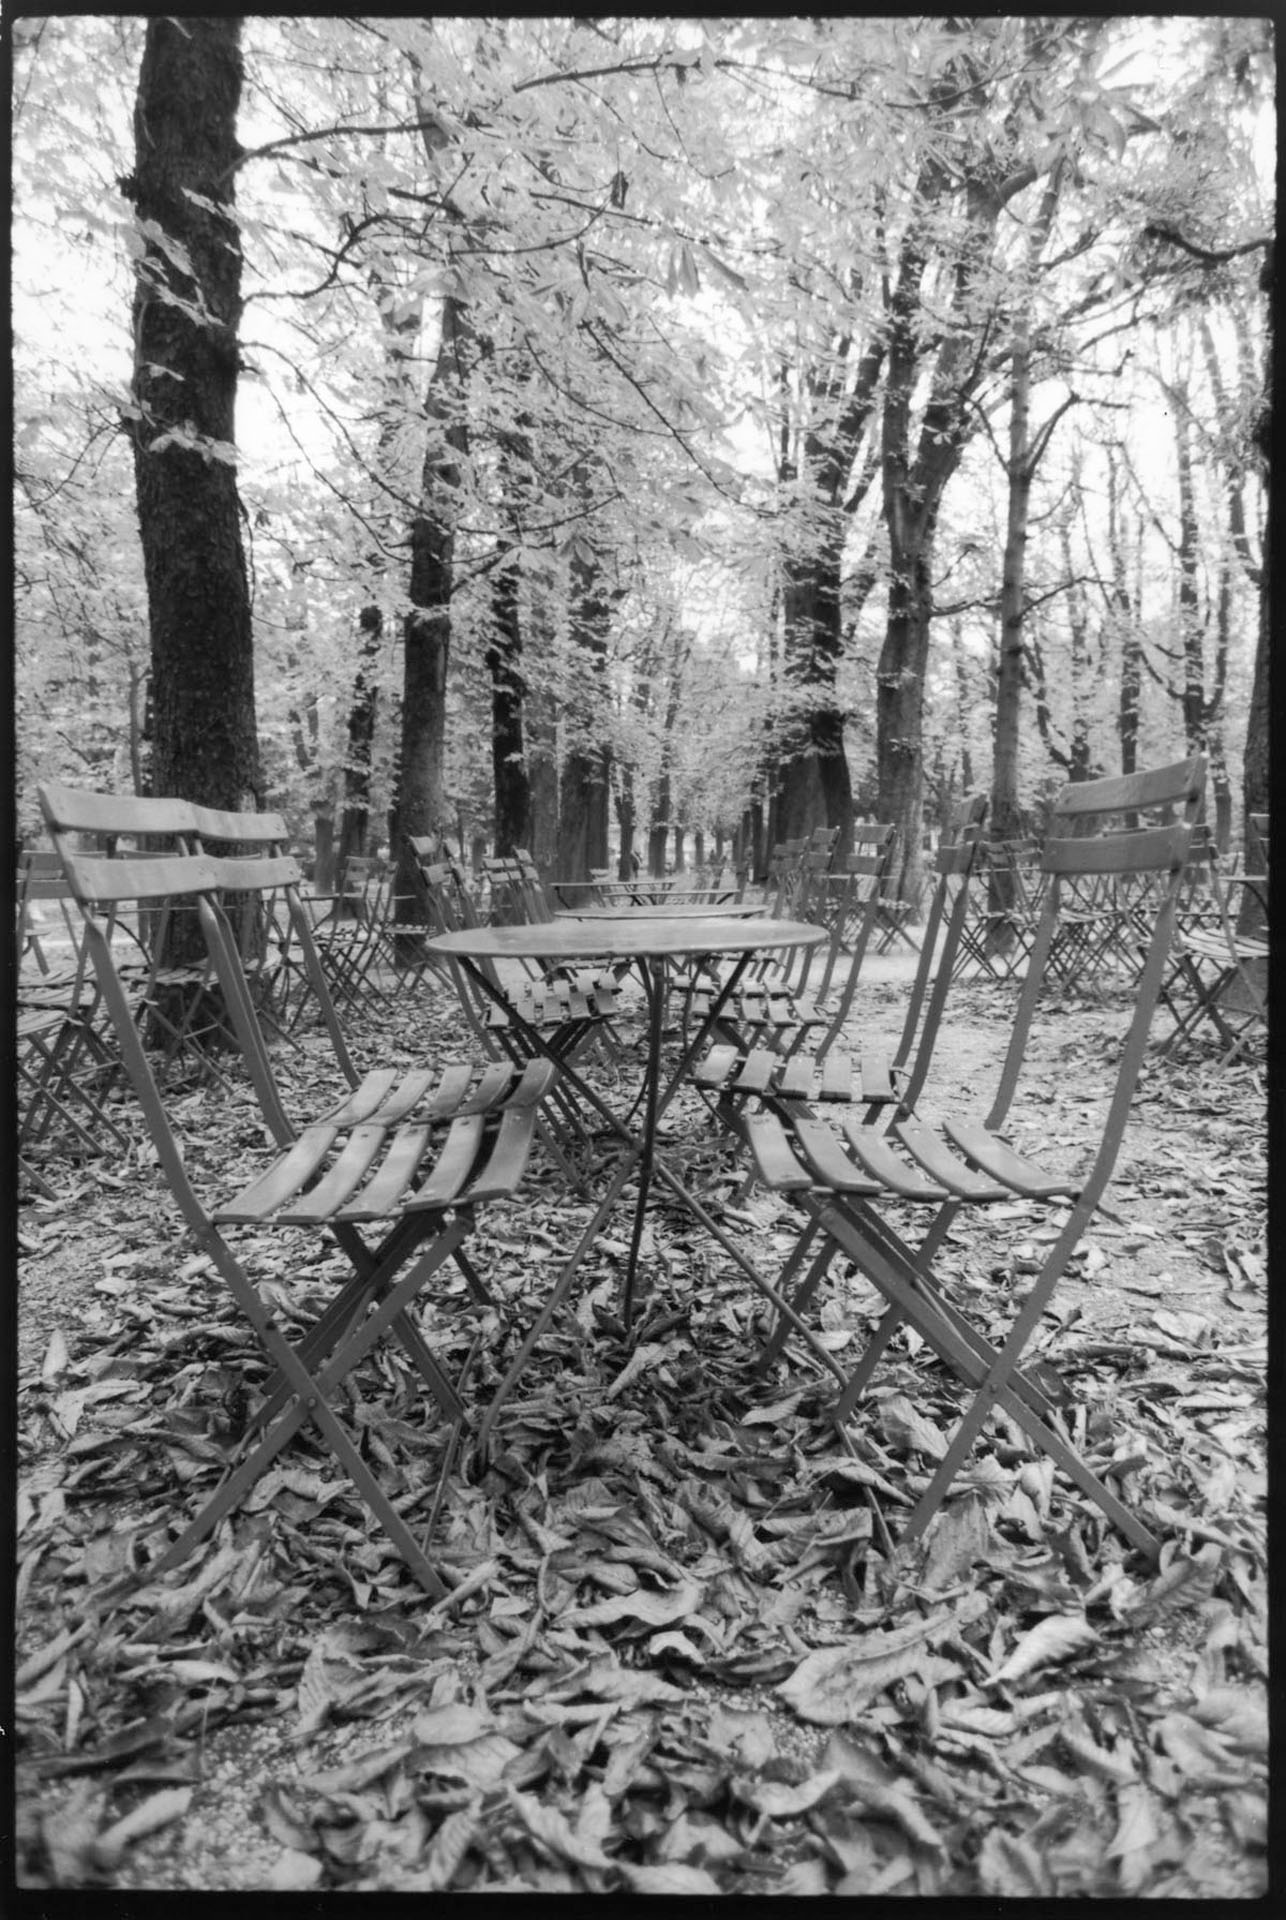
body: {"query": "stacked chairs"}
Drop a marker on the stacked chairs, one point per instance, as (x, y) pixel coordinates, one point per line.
(857, 1186)
(1217, 979)
(569, 1009)
(409, 1158)
(807, 990)
(828, 1071)
(353, 938)
(1004, 910)
(65, 1066)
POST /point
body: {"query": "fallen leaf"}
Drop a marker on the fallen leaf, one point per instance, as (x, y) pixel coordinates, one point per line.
(780, 1801)
(834, 1684)
(1052, 1640)
(159, 1810)
(653, 1608)
(671, 1878)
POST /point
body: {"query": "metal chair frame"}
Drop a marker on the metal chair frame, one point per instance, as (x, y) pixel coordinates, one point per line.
(369, 1162)
(844, 1182)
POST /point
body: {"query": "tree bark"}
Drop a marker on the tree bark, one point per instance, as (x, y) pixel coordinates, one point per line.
(187, 309)
(584, 788)
(362, 707)
(422, 806)
(508, 689)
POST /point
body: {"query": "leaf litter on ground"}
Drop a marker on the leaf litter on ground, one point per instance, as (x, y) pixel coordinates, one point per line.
(681, 1655)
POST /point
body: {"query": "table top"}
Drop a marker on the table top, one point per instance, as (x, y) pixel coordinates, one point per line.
(636, 936)
(666, 910)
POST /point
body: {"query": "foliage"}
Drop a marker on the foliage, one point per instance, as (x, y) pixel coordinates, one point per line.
(674, 242)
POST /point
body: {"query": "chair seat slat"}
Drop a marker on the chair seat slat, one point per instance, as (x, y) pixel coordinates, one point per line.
(453, 1166)
(1002, 1163)
(837, 1076)
(384, 1190)
(874, 1153)
(828, 1161)
(364, 1099)
(508, 1157)
(755, 1073)
(937, 1160)
(718, 1065)
(796, 1080)
(359, 1153)
(493, 1086)
(877, 1078)
(286, 1176)
(776, 1161)
(451, 1090)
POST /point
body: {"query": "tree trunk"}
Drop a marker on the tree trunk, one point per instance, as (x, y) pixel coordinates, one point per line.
(508, 758)
(584, 789)
(625, 821)
(815, 783)
(361, 732)
(187, 308)
(1193, 696)
(899, 709)
(422, 806)
(542, 775)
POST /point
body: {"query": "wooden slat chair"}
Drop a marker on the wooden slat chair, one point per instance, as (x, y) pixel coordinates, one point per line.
(350, 931)
(1004, 909)
(567, 1010)
(66, 1065)
(167, 994)
(410, 1157)
(853, 1183)
(810, 990)
(828, 1071)
(1218, 976)
(268, 925)
(529, 903)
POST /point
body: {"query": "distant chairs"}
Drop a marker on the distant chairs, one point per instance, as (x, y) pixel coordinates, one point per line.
(1218, 977)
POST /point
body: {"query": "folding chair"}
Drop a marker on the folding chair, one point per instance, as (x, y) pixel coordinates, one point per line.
(352, 936)
(784, 1001)
(848, 1182)
(1218, 975)
(828, 1071)
(567, 1009)
(411, 1156)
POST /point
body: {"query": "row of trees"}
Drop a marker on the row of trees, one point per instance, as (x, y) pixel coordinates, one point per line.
(664, 417)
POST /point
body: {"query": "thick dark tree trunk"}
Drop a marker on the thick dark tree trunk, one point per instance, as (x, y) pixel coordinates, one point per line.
(815, 785)
(187, 308)
(542, 773)
(422, 806)
(626, 815)
(585, 786)
(362, 709)
(508, 758)
(899, 709)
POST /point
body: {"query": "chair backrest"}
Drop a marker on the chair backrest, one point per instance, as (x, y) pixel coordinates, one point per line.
(536, 904)
(449, 908)
(865, 873)
(257, 872)
(126, 873)
(956, 862)
(40, 877)
(1100, 843)
(103, 884)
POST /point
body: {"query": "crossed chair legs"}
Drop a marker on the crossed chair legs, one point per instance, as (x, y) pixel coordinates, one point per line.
(841, 1200)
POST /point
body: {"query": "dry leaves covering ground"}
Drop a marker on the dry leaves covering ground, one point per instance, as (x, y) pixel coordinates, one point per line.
(678, 1657)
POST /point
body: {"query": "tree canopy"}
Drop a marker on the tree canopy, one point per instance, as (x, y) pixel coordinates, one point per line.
(655, 425)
